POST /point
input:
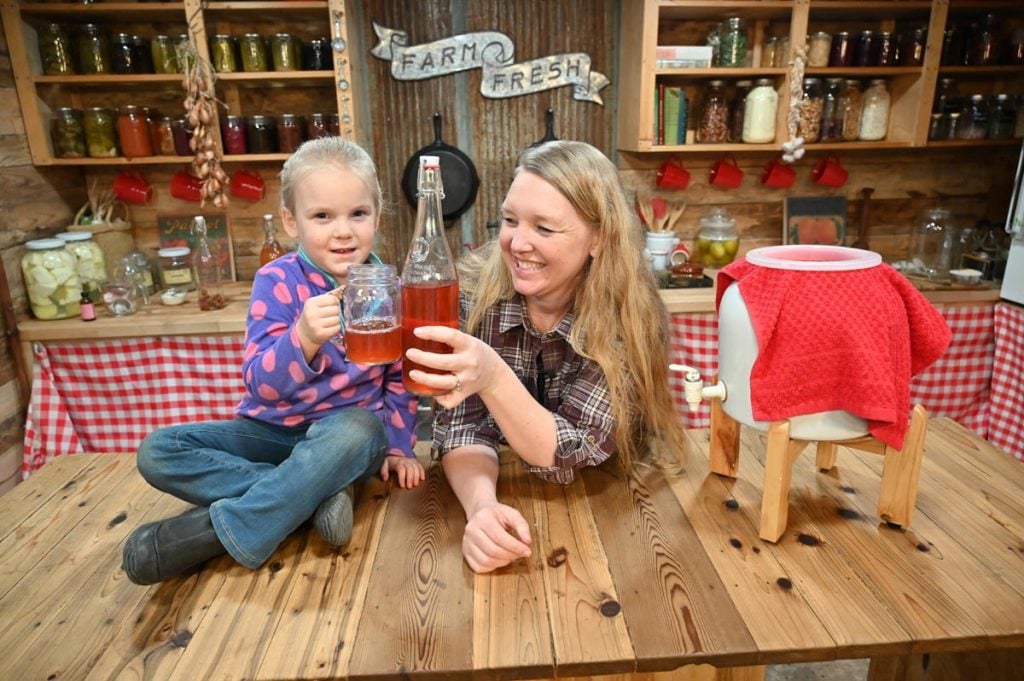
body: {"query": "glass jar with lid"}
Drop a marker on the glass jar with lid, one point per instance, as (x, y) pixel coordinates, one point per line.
(55, 50)
(1002, 116)
(884, 49)
(984, 45)
(737, 110)
(714, 117)
(819, 45)
(254, 52)
(223, 53)
(841, 49)
(181, 132)
(89, 261)
(874, 117)
(176, 267)
(122, 59)
(973, 119)
(316, 126)
(831, 118)
(862, 51)
(51, 279)
(932, 244)
(234, 135)
(809, 119)
(100, 132)
(285, 52)
(851, 100)
(717, 241)
(144, 268)
(165, 58)
(133, 131)
(768, 52)
(161, 130)
(67, 133)
(732, 46)
(317, 55)
(262, 135)
(760, 112)
(93, 49)
(291, 132)
(142, 54)
(912, 51)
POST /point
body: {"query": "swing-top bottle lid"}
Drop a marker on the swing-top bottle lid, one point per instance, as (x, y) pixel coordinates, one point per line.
(430, 161)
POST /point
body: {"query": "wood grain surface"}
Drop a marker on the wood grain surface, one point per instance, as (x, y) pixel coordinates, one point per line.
(639, 573)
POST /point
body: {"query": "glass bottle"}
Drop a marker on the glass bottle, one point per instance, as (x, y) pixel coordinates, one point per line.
(51, 279)
(272, 248)
(732, 48)
(874, 117)
(809, 121)
(67, 133)
(87, 308)
(850, 104)
(430, 285)
(714, 117)
(206, 264)
(932, 243)
(761, 107)
(831, 121)
(737, 110)
(55, 51)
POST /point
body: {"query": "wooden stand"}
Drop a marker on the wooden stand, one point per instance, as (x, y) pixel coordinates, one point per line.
(899, 474)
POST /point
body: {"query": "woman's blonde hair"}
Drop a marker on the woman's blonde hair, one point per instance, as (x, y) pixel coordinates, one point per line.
(329, 152)
(620, 320)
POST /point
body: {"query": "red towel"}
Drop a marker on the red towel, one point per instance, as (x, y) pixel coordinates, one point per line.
(847, 340)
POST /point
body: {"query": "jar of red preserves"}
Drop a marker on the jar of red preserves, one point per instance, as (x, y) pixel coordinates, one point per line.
(133, 129)
(289, 132)
(232, 132)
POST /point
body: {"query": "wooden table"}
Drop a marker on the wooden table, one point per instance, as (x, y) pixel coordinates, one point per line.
(629, 574)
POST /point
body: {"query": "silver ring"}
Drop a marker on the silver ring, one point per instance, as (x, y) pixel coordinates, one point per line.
(458, 383)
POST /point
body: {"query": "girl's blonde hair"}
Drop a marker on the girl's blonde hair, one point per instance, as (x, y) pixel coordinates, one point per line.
(620, 320)
(327, 152)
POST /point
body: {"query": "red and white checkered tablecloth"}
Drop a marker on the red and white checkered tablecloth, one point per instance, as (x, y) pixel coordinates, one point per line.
(107, 396)
(1006, 405)
(957, 385)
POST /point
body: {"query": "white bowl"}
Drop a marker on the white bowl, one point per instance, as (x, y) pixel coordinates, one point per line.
(966, 276)
(172, 297)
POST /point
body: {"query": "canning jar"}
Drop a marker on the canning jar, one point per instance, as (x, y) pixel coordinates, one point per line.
(165, 58)
(983, 44)
(850, 102)
(162, 133)
(55, 51)
(285, 52)
(316, 55)
(142, 54)
(732, 46)
(373, 317)
(884, 50)
(714, 117)
(333, 125)
(874, 117)
(914, 43)
(863, 51)
(831, 119)
(932, 244)
(1015, 48)
(67, 133)
(809, 121)
(782, 51)
(93, 49)
(717, 241)
(51, 279)
(762, 105)
(973, 119)
(952, 47)
(290, 132)
(841, 50)
(819, 45)
(768, 52)
(947, 97)
(936, 127)
(233, 135)
(89, 262)
(121, 58)
(176, 267)
(1002, 116)
(316, 126)
(222, 54)
(737, 109)
(133, 131)
(100, 132)
(183, 46)
(262, 135)
(254, 52)
(181, 133)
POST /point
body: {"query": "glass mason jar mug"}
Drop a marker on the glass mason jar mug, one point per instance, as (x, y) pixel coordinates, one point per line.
(372, 314)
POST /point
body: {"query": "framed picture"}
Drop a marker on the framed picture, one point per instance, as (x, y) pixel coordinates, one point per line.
(815, 220)
(176, 230)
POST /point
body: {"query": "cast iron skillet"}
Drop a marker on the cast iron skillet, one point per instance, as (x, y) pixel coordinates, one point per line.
(549, 124)
(457, 174)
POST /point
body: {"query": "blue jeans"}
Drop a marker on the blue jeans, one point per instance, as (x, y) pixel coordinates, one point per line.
(261, 481)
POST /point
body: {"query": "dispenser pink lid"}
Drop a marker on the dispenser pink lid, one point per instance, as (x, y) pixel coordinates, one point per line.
(813, 258)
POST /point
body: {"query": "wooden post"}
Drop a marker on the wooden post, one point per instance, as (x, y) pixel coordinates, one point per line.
(901, 471)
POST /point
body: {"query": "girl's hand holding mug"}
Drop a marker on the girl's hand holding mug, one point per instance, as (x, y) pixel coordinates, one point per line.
(320, 320)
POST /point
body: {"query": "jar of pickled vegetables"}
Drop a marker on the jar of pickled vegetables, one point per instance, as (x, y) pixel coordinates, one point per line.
(67, 133)
(89, 260)
(254, 52)
(161, 131)
(290, 132)
(93, 49)
(133, 130)
(732, 50)
(181, 133)
(100, 133)
(165, 58)
(51, 279)
(233, 134)
(55, 51)
(717, 241)
(222, 54)
(142, 54)
(286, 52)
(183, 46)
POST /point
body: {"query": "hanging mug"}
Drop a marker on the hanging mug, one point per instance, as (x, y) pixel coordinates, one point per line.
(248, 185)
(726, 173)
(131, 188)
(186, 186)
(777, 174)
(829, 172)
(672, 175)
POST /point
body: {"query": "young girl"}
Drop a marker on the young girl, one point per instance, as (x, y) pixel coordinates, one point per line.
(310, 423)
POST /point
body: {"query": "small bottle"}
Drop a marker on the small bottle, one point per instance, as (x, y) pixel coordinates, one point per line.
(430, 284)
(87, 308)
(209, 280)
(272, 248)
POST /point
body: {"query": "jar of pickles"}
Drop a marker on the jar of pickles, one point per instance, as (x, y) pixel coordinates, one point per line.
(51, 279)
(93, 49)
(67, 133)
(133, 131)
(184, 51)
(222, 54)
(714, 117)
(55, 51)
(285, 52)
(100, 133)
(290, 132)
(732, 48)
(165, 57)
(254, 52)
(262, 135)
(233, 134)
(89, 261)
(717, 241)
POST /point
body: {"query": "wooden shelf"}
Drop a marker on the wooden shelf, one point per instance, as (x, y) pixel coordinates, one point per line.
(121, 161)
(983, 71)
(864, 71)
(122, 11)
(946, 144)
(276, 78)
(718, 72)
(703, 10)
(289, 6)
(111, 79)
(864, 9)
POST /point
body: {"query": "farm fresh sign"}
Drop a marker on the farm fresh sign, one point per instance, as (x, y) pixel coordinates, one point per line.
(495, 54)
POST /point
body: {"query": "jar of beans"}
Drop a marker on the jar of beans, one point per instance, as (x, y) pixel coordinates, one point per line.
(809, 123)
(714, 117)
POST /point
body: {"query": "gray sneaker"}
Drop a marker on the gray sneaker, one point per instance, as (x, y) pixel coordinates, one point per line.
(333, 518)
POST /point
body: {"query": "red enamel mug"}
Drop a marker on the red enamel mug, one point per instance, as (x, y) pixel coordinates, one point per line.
(726, 173)
(672, 175)
(249, 185)
(186, 186)
(829, 172)
(777, 174)
(131, 188)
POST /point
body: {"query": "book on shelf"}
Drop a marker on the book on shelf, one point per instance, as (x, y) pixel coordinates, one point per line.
(659, 137)
(669, 115)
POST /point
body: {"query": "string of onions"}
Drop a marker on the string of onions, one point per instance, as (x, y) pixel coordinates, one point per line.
(200, 101)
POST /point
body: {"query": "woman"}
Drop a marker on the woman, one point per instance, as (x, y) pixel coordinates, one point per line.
(565, 350)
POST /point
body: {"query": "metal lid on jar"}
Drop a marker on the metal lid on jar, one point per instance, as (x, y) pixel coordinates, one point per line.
(735, 22)
(133, 110)
(260, 119)
(66, 110)
(44, 244)
(820, 35)
(716, 83)
(174, 252)
(288, 119)
(74, 236)
(764, 82)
